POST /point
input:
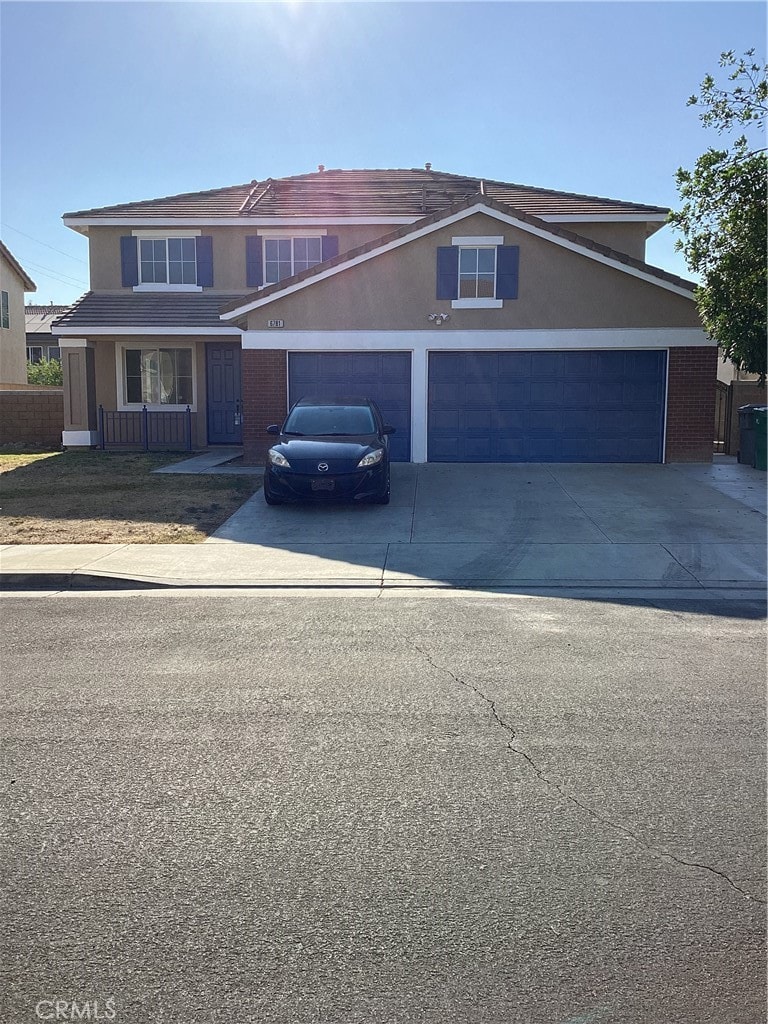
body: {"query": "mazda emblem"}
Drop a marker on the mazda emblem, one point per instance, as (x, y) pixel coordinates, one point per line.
(323, 467)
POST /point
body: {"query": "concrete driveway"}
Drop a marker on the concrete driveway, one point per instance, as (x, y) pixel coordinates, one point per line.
(509, 525)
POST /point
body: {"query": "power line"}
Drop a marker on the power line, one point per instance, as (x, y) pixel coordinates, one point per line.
(54, 275)
(37, 240)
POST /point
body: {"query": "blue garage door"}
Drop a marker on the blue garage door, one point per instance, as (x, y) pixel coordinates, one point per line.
(383, 376)
(546, 406)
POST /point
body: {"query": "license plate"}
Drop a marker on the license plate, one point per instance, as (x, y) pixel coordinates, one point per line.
(323, 485)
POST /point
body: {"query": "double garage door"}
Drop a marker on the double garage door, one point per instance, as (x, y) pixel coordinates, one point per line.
(556, 406)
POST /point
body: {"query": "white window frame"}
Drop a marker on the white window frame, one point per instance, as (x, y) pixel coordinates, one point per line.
(478, 242)
(30, 356)
(291, 236)
(162, 235)
(125, 406)
(5, 310)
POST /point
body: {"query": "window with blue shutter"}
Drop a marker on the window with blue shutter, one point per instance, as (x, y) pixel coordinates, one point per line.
(254, 273)
(507, 271)
(478, 274)
(129, 260)
(330, 245)
(448, 272)
(205, 261)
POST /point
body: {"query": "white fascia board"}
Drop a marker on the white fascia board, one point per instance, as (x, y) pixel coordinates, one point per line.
(447, 222)
(203, 332)
(439, 339)
(604, 218)
(254, 222)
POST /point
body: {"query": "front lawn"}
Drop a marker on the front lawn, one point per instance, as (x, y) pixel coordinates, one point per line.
(111, 498)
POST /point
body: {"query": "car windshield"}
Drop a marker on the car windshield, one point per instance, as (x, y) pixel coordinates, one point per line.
(330, 420)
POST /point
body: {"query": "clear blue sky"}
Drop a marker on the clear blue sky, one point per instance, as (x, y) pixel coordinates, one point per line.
(109, 102)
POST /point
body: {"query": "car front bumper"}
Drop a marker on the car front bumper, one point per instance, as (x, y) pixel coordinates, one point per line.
(288, 485)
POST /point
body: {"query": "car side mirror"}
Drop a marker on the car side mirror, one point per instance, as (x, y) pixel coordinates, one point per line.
(388, 429)
(273, 429)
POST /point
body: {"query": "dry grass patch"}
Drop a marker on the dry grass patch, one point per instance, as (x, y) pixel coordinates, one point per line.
(111, 498)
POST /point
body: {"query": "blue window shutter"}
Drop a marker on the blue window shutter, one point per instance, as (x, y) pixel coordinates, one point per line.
(204, 250)
(330, 246)
(129, 259)
(507, 267)
(254, 273)
(448, 272)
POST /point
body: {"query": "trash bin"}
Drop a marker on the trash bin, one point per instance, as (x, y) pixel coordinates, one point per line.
(746, 453)
(760, 419)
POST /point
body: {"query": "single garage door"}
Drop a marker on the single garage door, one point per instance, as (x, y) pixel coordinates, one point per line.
(605, 406)
(383, 376)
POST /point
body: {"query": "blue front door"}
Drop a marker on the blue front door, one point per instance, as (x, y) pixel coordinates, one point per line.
(223, 393)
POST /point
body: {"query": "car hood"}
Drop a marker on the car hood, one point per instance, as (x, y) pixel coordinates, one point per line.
(325, 447)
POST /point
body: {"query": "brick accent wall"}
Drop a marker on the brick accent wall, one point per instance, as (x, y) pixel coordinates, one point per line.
(743, 392)
(691, 404)
(33, 418)
(265, 399)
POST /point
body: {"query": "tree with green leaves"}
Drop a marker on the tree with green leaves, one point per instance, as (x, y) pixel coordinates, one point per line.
(723, 219)
(47, 371)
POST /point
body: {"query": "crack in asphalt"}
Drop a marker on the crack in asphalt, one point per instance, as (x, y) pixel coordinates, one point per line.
(662, 855)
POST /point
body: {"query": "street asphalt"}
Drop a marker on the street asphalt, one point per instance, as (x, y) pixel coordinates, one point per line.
(383, 807)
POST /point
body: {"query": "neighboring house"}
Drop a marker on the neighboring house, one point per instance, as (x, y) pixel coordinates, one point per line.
(38, 321)
(14, 281)
(491, 321)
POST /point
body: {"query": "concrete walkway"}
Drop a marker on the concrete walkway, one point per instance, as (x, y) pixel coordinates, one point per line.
(641, 528)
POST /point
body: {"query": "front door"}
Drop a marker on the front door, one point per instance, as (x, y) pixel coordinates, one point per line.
(222, 364)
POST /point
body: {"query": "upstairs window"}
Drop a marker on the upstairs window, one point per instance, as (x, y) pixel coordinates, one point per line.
(5, 313)
(284, 257)
(168, 261)
(477, 272)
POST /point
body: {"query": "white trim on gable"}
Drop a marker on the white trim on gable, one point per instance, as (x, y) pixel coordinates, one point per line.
(444, 222)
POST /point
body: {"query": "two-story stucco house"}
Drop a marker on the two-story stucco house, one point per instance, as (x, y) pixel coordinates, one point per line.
(491, 321)
(14, 281)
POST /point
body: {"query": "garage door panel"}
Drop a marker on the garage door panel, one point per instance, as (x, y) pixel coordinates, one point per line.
(546, 406)
(513, 366)
(383, 376)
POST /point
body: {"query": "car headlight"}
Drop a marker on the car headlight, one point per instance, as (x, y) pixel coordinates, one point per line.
(372, 459)
(277, 459)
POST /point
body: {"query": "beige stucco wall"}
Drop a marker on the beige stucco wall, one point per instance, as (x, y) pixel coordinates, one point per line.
(228, 252)
(558, 289)
(13, 340)
(628, 238)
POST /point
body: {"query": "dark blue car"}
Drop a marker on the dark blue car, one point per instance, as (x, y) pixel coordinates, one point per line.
(329, 448)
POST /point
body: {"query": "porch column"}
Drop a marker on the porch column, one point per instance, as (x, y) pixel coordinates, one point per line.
(80, 412)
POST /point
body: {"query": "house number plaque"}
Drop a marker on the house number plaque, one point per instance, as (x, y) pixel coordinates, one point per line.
(275, 323)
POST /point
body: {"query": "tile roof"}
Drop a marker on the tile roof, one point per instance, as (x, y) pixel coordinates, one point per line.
(414, 192)
(38, 319)
(435, 218)
(158, 309)
(29, 284)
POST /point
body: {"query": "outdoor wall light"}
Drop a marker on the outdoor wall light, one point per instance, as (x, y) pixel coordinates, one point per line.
(438, 318)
